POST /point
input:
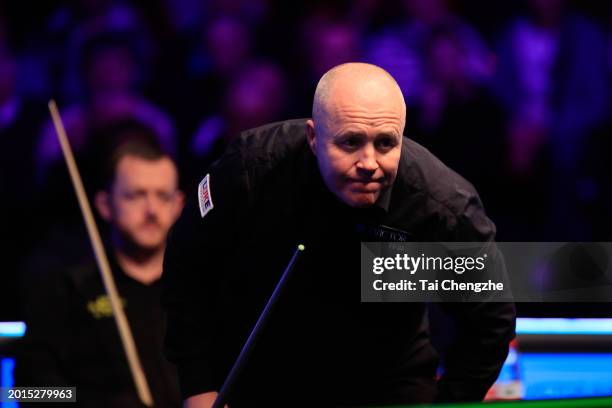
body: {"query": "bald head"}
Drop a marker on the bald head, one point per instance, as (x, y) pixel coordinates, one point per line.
(356, 131)
(354, 81)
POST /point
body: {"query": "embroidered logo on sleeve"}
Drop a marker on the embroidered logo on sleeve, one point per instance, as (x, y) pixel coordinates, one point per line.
(204, 197)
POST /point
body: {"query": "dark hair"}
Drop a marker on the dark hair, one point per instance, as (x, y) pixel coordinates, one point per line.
(109, 144)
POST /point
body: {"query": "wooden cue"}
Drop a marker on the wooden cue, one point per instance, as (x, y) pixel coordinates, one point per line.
(109, 283)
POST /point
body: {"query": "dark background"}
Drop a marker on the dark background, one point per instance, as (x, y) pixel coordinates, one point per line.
(513, 95)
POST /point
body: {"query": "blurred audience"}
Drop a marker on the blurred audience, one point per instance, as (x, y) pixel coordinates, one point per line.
(223, 50)
(257, 95)
(109, 75)
(325, 41)
(458, 119)
(528, 124)
(552, 80)
(401, 48)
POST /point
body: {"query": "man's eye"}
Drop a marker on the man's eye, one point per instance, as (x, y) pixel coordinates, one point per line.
(350, 142)
(131, 196)
(386, 143)
(165, 197)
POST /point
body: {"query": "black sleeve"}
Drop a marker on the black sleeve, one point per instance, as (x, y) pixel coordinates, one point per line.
(484, 329)
(193, 261)
(44, 346)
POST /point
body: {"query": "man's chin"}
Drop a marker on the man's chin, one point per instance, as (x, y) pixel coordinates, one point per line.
(152, 246)
(361, 200)
(148, 245)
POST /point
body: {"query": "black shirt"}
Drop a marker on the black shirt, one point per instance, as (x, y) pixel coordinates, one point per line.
(72, 338)
(321, 346)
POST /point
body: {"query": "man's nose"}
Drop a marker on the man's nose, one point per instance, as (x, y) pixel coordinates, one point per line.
(367, 159)
(152, 205)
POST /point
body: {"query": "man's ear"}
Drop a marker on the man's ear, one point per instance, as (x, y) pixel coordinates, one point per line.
(311, 136)
(102, 202)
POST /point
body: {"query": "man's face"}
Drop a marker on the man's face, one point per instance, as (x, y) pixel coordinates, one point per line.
(359, 144)
(145, 201)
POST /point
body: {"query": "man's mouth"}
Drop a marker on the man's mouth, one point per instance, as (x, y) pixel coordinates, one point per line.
(150, 226)
(366, 181)
(366, 185)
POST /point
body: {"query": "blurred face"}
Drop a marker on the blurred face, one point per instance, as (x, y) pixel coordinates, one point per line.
(112, 70)
(334, 44)
(145, 201)
(358, 143)
(244, 105)
(228, 44)
(446, 60)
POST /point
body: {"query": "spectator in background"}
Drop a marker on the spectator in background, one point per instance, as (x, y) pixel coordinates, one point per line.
(87, 20)
(71, 338)
(326, 42)
(110, 73)
(224, 49)
(401, 47)
(256, 96)
(552, 82)
(458, 119)
(54, 41)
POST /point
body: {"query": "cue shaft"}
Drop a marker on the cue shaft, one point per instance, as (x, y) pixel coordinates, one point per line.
(127, 340)
(248, 345)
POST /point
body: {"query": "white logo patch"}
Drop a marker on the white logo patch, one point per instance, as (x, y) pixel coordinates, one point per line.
(204, 197)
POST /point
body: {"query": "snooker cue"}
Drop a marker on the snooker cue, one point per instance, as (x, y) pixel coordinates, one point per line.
(127, 340)
(248, 345)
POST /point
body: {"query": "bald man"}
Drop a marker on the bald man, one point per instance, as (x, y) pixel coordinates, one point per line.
(343, 177)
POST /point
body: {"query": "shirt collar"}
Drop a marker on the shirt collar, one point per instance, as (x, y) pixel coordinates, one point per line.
(384, 199)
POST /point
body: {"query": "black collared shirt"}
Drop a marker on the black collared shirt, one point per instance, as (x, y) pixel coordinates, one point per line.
(322, 346)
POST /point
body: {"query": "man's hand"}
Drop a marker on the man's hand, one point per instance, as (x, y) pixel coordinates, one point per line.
(205, 400)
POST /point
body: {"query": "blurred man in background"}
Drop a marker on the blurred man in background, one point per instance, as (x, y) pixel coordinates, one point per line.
(71, 338)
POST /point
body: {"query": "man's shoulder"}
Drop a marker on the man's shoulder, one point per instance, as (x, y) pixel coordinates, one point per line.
(421, 172)
(78, 277)
(263, 159)
(273, 141)
(59, 283)
(260, 152)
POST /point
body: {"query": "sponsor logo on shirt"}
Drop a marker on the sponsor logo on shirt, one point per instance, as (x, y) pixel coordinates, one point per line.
(204, 197)
(101, 307)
